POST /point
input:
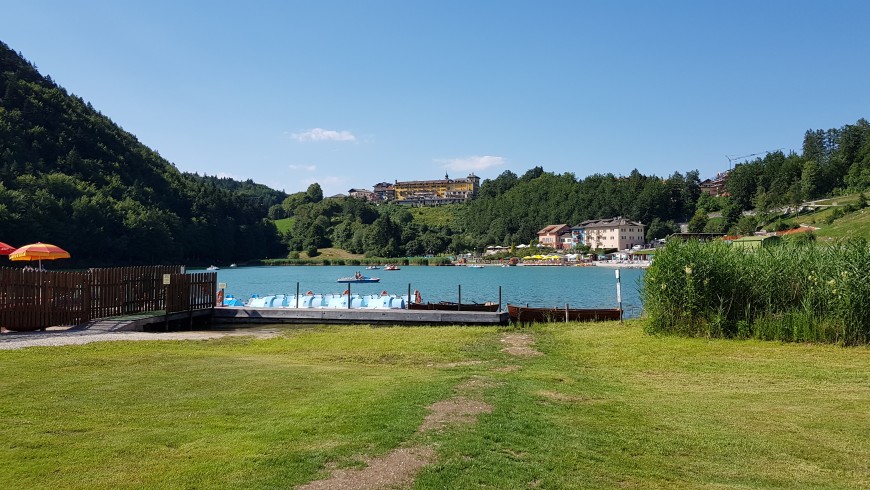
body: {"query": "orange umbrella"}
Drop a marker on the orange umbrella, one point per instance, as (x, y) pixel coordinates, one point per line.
(6, 249)
(39, 251)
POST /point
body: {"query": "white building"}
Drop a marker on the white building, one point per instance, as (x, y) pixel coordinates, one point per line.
(618, 233)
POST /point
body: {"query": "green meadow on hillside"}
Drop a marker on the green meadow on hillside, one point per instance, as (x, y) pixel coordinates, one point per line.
(604, 406)
(843, 219)
(284, 224)
(436, 216)
(852, 225)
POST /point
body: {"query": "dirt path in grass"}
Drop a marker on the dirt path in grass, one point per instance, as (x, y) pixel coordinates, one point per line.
(399, 468)
(395, 469)
(55, 337)
(520, 345)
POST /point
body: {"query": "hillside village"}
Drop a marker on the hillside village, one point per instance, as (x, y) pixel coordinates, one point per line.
(422, 192)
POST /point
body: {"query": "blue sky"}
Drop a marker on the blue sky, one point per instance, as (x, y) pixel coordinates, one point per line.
(353, 93)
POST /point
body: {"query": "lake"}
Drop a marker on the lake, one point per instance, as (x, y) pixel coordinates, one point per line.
(579, 287)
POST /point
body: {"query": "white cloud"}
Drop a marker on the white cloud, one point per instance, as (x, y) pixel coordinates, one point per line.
(320, 134)
(472, 163)
(307, 168)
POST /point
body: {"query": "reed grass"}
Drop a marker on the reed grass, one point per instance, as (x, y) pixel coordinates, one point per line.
(790, 292)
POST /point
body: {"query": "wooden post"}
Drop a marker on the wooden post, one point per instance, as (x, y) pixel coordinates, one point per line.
(619, 295)
(459, 303)
(499, 298)
(348, 296)
(409, 295)
(297, 295)
(566, 312)
(166, 301)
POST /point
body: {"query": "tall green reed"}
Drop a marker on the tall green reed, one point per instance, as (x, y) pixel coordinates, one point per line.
(789, 292)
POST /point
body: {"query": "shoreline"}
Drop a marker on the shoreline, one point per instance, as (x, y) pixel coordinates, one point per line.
(622, 265)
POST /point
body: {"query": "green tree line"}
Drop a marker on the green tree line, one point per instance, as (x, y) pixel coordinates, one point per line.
(386, 230)
(832, 162)
(511, 209)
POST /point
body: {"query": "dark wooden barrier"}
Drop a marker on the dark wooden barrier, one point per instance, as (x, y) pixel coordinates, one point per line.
(188, 292)
(33, 300)
(125, 290)
(30, 300)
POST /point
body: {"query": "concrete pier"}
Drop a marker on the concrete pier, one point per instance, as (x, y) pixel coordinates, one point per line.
(357, 316)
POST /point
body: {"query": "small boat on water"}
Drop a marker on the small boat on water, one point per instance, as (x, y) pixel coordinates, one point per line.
(212, 268)
(450, 306)
(525, 314)
(391, 267)
(372, 268)
(474, 266)
(355, 279)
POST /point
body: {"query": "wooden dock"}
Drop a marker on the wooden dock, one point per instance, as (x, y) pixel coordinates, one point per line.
(317, 316)
(147, 321)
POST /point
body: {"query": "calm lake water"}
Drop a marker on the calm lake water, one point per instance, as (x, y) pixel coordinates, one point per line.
(580, 287)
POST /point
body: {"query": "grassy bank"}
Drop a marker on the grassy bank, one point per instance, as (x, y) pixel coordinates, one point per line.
(791, 291)
(606, 406)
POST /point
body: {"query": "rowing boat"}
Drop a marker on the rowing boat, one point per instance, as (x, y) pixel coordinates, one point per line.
(525, 314)
(450, 306)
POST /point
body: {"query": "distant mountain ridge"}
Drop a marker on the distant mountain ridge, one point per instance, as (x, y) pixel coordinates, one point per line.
(70, 176)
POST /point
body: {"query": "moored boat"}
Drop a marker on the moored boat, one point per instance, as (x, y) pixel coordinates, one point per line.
(450, 306)
(391, 267)
(525, 314)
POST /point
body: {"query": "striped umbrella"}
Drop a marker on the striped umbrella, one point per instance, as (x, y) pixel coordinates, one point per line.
(39, 251)
(6, 249)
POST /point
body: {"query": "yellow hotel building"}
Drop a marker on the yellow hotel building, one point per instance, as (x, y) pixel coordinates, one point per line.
(438, 191)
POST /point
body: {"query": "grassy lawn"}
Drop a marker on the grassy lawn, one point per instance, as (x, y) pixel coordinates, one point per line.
(606, 406)
(852, 225)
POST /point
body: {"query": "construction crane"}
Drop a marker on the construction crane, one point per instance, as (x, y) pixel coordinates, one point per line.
(731, 159)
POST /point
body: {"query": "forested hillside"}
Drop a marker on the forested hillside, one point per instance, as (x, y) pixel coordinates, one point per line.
(509, 210)
(833, 161)
(70, 176)
(512, 209)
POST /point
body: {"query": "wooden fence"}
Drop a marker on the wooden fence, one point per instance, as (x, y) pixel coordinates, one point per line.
(188, 292)
(125, 290)
(32, 300)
